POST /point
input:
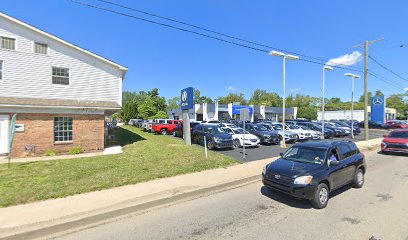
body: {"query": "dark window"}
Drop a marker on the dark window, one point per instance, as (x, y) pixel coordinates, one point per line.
(345, 150)
(40, 48)
(354, 149)
(63, 129)
(176, 122)
(8, 43)
(1, 70)
(60, 76)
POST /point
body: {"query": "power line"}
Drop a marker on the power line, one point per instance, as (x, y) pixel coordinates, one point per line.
(389, 70)
(393, 84)
(216, 32)
(196, 33)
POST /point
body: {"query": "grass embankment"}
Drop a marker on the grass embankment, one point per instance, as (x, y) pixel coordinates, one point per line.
(146, 156)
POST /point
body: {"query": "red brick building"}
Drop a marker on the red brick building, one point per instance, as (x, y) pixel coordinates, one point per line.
(60, 92)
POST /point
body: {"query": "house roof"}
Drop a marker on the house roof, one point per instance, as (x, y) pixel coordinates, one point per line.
(28, 26)
(56, 103)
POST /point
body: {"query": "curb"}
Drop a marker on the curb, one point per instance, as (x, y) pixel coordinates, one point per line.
(98, 219)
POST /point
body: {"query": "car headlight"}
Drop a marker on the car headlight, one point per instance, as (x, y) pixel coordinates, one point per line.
(217, 139)
(266, 135)
(264, 169)
(304, 180)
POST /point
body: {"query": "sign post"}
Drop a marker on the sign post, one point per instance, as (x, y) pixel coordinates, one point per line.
(244, 116)
(187, 103)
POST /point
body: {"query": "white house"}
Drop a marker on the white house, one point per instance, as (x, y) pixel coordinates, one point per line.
(59, 91)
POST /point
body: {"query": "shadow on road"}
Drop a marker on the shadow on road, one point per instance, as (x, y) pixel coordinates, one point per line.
(293, 202)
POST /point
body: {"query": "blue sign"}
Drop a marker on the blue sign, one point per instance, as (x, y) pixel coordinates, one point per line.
(236, 109)
(378, 109)
(187, 98)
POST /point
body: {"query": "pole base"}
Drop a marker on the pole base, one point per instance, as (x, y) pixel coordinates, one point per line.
(283, 144)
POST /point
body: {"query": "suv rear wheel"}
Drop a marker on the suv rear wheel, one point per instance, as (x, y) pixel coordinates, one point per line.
(321, 196)
(237, 143)
(163, 131)
(358, 181)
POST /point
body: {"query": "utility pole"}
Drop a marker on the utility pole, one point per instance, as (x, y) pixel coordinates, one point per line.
(366, 45)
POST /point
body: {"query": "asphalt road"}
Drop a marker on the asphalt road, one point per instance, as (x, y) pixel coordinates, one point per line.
(377, 211)
(268, 151)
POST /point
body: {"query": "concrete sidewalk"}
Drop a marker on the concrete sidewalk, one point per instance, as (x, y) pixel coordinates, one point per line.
(57, 215)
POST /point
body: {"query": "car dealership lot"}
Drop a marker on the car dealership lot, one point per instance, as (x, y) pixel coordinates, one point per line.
(268, 151)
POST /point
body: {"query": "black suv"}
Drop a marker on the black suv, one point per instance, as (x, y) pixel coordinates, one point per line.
(216, 137)
(312, 170)
(266, 136)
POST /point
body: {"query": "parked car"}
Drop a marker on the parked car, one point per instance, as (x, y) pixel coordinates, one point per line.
(238, 136)
(290, 136)
(395, 141)
(338, 131)
(228, 125)
(347, 130)
(216, 137)
(374, 125)
(165, 128)
(315, 134)
(302, 134)
(356, 129)
(312, 170)
(135, 122)
(397, 124)
(328, 133)
(265, 135)
(178, 130)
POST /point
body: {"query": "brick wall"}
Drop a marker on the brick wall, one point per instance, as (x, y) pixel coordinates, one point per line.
(88, 132)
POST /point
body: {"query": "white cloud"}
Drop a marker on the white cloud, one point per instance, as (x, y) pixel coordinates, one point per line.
(295, 89)
(230, 88)
(406, 89)
(348, 59)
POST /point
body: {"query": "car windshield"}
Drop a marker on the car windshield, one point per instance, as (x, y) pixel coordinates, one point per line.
(267, 126)
(399, 134)
(293, 127)
(239, 131)
(260, 128)
(305, 154)
(306, 128)
(278, 127)
(216, 130)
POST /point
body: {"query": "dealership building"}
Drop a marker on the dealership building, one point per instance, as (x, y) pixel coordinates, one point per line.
(216, 111)
(390, 114)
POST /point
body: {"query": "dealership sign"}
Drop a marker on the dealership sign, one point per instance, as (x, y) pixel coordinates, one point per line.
(378, 109)
(187, 98)
(237, 108)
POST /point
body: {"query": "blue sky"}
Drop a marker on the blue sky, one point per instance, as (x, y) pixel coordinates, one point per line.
(171, 60)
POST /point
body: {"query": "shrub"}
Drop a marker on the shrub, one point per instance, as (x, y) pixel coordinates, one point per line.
(50, 152)
(76, 150)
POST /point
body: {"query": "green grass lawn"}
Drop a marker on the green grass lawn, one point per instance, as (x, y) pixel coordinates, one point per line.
(146, 156)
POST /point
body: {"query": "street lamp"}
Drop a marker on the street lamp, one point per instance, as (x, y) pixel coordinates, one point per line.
(290, 57)
(325, 68)
(353, 76)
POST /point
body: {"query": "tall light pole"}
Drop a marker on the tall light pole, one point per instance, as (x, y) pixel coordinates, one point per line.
(325, 68)
(290, 57)
(353, 76)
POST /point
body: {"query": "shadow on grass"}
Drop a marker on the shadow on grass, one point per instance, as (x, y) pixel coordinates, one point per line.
(125, 137)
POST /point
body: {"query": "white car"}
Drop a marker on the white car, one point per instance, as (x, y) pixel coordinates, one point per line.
(301, 133)
(238, 136)
(315, 134)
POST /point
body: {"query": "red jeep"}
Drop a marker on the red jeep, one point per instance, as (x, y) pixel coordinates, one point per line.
(166, 128)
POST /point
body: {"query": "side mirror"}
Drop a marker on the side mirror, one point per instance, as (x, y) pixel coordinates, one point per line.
(281, 154)
(334, 163)
(385, 135)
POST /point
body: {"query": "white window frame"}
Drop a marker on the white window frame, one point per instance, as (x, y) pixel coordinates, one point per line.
(69, 76)
(43, 54)
(15, 42)
(64, 130)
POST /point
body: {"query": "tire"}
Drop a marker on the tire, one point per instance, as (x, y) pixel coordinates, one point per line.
(321, 196)
(210, 145)
(237, 143)
(358, 181)
(163, 131)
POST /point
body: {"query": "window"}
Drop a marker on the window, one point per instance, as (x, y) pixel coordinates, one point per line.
(8, 43)
(1, 70)
(345, 150)
(40, 48)
(60, 76)
(63, 129)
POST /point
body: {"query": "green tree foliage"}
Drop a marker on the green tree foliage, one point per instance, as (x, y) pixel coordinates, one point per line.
(130, 111)
(260, 97)
(400, 104)
(198, 99)
(161, 114)
(147, 109)
(233, 97)
(308, 112)
(173, 103)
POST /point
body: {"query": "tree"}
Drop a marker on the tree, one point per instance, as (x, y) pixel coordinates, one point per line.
(130, 111)
(308, 112)
(233, 97)
(399, 103)
(198, 99)
(147, 109)
(161, 114)
(260, 97)
(173, 103)
(361, 99)
(379, 93)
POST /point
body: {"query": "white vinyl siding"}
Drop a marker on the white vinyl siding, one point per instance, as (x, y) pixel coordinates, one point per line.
(60, 76)
(29, 75)
(1, 70)
(40, 48)
(8, 43)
